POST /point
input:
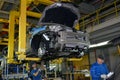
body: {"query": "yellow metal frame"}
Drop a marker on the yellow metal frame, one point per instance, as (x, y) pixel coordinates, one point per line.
(83, 23)
(32, 59)
(36, 2)
(10, 56)
(4, 21)
(3, 43)
(60, 60)
(7, 30)
(45, 2)
(118, 49)
(74, 59)
(22, 32)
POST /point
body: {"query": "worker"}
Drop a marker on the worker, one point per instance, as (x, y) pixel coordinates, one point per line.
(98, 69)
(36, 72)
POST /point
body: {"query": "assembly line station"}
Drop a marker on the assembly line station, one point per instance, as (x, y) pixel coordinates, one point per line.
(95, 31)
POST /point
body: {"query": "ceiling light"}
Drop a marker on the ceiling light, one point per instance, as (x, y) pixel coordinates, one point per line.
(99, 44)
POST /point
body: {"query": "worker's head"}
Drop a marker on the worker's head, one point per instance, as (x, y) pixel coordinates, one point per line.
(100, 59)
(34, 65)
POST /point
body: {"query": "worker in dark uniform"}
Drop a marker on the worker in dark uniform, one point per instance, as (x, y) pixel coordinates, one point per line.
(36, 72)
(98, 69)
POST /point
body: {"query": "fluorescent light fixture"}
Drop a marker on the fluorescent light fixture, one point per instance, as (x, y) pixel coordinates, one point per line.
(99, 44)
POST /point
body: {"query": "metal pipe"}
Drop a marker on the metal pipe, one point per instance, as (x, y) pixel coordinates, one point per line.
(2, 43)
(97, 17)
(33, 14)
(32, 59)
(116, 8)
(45, 2)
(74, 59)
(10, 55)
(4, 20)
(22, 31)
(5, 39)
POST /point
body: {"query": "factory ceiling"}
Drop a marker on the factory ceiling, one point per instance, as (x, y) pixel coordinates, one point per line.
(7, 5)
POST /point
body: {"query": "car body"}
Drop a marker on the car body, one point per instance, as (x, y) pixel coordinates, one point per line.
(55, 34)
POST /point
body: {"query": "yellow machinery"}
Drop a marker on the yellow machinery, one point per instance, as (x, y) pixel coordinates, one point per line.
(118, 49)
(22, 33)
(22, 14)
(14, 15)
(22, 23)
(22, 30)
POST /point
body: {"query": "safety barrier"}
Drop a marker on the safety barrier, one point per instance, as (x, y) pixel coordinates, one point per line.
(96, 17)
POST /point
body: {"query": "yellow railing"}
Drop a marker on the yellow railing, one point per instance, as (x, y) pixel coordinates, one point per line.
(86, 20)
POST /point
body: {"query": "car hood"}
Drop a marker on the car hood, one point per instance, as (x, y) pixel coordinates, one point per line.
(61, 13)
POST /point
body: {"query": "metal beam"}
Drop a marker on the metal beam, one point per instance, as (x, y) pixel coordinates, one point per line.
(1, 3)
(104, 24)
(7, 30)
(2, 43)
(4, 16)
(4, 12)
(10, 56)
(74, 59)
(77, 27)
(22, 31)
(33, 14)
(106, 32)
(118, 49)
(10, 1)
(4, 21)
(45, 2)
(32, 59)
(105, 38)
(5, 39)
(29, 13)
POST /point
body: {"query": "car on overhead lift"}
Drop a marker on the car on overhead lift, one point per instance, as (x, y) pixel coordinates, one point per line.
(55, 35)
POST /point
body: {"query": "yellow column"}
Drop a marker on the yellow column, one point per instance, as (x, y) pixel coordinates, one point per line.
(97, 16)
(22, 31)
(77, 26)
(10, 55)
(118, 49)
(115, 8)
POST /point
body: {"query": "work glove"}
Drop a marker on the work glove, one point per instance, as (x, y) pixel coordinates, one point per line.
(110, 74)
(104, 76)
